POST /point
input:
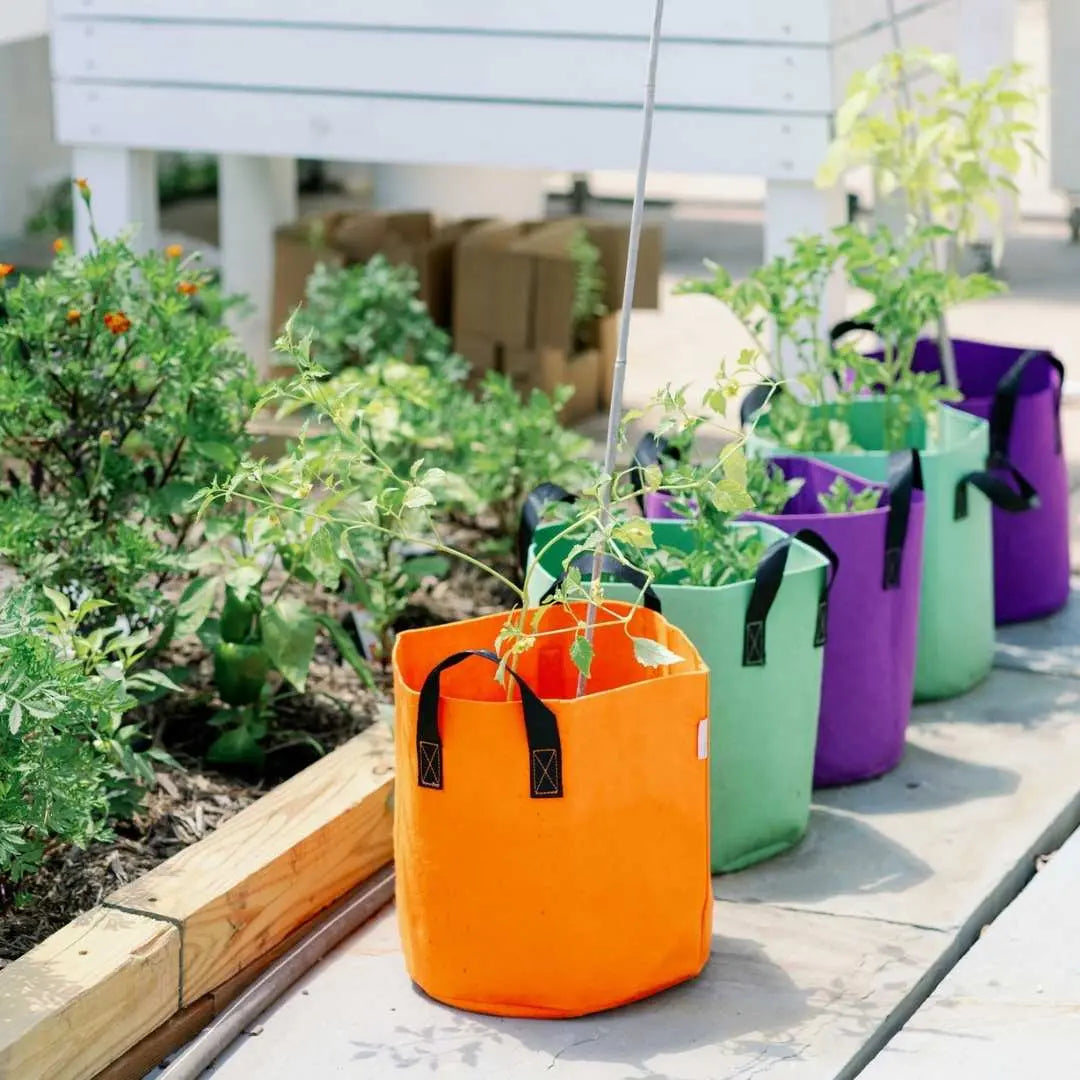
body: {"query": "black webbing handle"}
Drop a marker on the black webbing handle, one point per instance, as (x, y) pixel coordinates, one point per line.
(756, 398)
(822, 547)
(650, 450)
(532, 510)
(541, 731)
(1013, 501)
(612, 568)
(905, 478)
(1004, 406)
(767, 580)
(849, 326)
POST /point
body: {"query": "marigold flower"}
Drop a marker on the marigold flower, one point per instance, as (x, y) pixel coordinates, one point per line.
(117, 322)
(174, 251)
(83, 186)
(74, 315)
(59, 245)
(5, 269)
(188, 288)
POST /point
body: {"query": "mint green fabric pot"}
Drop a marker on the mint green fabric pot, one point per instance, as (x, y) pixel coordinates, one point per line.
(763, 719)
(956, 610)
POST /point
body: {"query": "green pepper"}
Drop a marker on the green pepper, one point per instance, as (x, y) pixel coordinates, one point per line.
(238, 615)
(240, 672)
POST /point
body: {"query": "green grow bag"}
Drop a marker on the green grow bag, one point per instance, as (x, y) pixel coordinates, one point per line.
(956, 608)
(764, 690)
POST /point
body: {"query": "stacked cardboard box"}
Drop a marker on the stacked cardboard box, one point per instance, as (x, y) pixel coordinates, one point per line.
(513, 304)
(343, 238)
(505, 289)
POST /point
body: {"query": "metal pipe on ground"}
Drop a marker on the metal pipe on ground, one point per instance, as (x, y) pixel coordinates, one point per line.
(224, 1029)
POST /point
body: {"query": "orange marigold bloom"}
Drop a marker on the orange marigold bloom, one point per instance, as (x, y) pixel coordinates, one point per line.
(174, 251)
(188, 288)
(5, 269)
(74, 315)
(59, 245)
(83, 186)
(117, 322)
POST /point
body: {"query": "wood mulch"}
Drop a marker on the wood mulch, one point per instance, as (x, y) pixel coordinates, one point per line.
(188, 804)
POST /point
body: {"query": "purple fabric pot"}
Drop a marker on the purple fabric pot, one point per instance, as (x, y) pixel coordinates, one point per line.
(1019, 392)
(658, 505)
(873, 616)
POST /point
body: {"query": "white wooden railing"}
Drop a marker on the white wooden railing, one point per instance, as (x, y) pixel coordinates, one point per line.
(745, 88)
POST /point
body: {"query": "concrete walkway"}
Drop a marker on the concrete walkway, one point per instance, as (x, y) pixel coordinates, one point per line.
(1011, 1007)
(819, 956)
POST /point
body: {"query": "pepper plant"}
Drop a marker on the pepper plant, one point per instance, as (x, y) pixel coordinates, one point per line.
(908, 291)
(950, 149)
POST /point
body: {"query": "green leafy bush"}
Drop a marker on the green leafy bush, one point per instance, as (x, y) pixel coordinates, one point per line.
(121, 394)
(369, 312)
(68, 761)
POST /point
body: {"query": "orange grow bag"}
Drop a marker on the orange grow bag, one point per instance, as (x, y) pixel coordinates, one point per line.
(552, 852)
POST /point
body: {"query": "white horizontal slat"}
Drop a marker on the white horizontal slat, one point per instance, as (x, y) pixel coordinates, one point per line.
(435, 132)
(775, 20)
(419, 63)
(22, 19)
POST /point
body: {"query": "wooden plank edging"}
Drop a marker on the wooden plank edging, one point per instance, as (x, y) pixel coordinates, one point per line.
(78, 1001)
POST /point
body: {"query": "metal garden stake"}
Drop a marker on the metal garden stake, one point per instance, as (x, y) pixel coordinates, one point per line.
(619, 379)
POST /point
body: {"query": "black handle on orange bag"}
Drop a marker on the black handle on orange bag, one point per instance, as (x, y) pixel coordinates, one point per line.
(1001, 412)
(541, 730)
(905, 477)
(767, 580)
(612, 568)
(650, 450)
(532, 510)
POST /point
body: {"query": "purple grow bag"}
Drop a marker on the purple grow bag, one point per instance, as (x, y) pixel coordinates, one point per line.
(1019, 392)
(873, 615)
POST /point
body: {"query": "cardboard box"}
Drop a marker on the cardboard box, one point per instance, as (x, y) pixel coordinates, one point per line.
(349, 237)
(297, 250)
(516, 282)
(491, 287)
(548, 368)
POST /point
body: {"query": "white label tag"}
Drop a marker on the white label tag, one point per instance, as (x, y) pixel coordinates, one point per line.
(703, 739)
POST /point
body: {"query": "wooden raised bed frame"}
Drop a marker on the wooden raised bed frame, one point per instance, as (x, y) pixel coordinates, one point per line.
(160, 956)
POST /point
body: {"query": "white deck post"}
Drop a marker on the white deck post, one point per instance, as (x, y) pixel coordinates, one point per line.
(123, 184)
(798, 207)
(256, 194)
(459, 191)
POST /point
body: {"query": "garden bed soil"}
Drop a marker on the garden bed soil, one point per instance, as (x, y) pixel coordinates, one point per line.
(188, 804)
